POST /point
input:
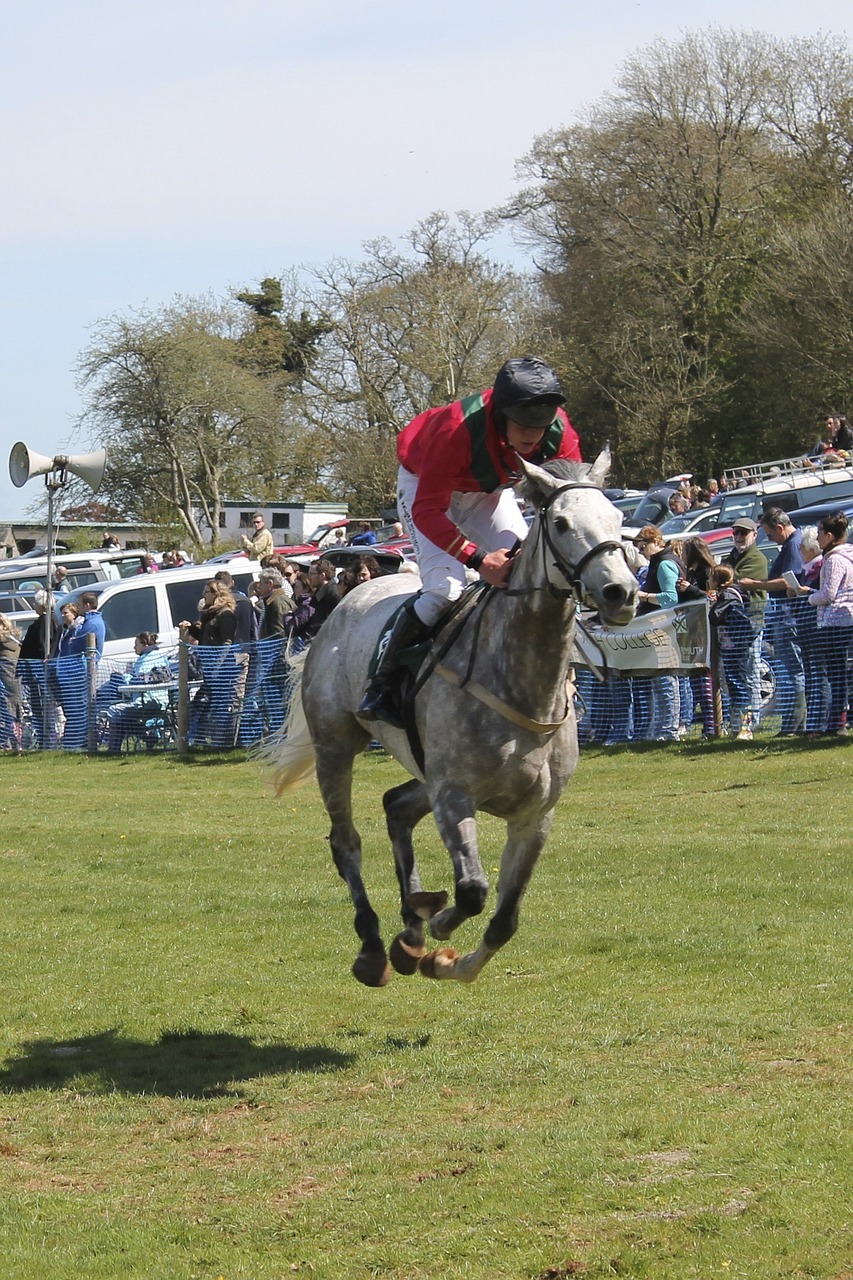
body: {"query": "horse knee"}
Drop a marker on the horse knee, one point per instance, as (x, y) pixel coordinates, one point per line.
(471, 896)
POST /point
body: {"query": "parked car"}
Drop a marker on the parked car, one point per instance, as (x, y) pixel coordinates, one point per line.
(699, 520)
(653, 508)
(155, 602)
(802, 517)
(84, 568)
(789, 483)
(627, 503)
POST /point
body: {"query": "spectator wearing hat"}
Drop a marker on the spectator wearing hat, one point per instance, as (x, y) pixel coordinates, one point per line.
(748, 561)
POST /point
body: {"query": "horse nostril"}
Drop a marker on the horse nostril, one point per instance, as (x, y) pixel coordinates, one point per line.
(614, 594)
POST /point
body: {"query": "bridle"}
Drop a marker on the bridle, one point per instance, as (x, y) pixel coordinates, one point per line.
(571, 570)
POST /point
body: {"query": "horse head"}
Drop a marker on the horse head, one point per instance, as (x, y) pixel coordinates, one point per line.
(577, 536)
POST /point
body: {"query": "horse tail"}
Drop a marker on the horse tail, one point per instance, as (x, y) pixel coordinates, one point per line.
(290, 753)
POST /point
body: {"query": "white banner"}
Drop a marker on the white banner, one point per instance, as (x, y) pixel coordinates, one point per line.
(676, 640)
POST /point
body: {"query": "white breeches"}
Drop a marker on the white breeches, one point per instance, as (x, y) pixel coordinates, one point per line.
(492, 520)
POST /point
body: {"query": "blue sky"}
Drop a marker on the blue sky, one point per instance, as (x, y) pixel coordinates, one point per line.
(188, 147)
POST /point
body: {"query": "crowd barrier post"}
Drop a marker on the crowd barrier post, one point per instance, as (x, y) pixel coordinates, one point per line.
(716, 690)
(91, 694)
(183, 692)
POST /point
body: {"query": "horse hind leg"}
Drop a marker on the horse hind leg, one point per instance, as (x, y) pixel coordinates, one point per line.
(520, 855)
(405, 806)
(334, 774)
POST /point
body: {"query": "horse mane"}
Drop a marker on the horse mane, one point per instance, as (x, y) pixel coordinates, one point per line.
(560, 469)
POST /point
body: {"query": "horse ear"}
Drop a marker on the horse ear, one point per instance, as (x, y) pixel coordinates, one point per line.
(599, 469)
(537, 484)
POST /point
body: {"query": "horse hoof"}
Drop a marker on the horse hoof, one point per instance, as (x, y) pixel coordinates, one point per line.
(372, 970)
(440, 963)
(404, 957)
(426, 905)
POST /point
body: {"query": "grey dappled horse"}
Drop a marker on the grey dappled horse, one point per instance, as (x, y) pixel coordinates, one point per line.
(496, 721)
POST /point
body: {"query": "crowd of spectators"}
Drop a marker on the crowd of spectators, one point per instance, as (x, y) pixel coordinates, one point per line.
(796, 616)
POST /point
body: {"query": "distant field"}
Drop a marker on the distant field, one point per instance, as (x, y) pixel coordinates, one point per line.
(652, 1080)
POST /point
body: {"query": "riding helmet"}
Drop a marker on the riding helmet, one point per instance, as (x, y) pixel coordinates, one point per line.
(528, 392)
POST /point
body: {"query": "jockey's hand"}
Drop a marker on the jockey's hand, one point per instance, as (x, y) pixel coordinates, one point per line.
(495, 567)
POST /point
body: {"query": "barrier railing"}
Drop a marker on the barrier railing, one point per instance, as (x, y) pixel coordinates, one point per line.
(662, 678)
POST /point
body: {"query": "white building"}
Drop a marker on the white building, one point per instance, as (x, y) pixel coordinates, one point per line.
(290, 522)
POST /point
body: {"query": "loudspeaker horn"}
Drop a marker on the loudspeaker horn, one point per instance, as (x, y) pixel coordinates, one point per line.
(24, 464)
(88, 466)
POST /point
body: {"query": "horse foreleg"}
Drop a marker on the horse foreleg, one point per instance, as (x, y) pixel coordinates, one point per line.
(454, 816)
(404, 807)
(334, 774)
(521, 852)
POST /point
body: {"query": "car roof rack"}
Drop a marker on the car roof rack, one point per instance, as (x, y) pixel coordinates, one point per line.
(780, 468)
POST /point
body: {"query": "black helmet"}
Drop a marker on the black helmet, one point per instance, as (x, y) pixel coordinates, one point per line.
(528, 392)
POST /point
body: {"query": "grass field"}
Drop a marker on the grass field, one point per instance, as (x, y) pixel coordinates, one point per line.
(653, 1079)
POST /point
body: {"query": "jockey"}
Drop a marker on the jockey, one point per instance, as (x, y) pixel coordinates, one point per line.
(457, 466)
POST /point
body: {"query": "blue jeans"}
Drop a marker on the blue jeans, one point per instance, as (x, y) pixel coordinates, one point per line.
(667, 704)
(837, 645)
(788, 667)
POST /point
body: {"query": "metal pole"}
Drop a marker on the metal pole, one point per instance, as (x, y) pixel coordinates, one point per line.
(183, 691)
(47, 708)
(49, 613)
(91, 693)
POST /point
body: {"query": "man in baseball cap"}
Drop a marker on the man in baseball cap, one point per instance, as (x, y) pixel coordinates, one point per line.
(749, 562)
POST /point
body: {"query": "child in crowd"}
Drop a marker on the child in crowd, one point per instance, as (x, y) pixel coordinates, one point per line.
(730, 617)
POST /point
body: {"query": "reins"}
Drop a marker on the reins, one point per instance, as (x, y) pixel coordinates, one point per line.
(571, 571)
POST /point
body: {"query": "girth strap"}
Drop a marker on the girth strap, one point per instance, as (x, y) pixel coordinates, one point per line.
(497, 704)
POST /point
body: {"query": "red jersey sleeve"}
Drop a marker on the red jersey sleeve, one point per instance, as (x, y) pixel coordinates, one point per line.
(436, 448)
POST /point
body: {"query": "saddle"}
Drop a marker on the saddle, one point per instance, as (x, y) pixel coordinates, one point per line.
(417, 662)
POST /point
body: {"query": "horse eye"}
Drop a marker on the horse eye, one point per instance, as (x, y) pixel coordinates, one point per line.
(561, 524)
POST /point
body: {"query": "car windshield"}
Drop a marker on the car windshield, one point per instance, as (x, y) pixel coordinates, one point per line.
(695, 521)
(676, 523)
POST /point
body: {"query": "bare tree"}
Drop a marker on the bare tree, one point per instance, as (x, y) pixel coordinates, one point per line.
(186, 424)
(412, 328)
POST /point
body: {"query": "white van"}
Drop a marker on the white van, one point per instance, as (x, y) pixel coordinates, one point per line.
(155, 602)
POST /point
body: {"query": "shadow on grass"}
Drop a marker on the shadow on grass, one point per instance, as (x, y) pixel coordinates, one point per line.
(188, 1064)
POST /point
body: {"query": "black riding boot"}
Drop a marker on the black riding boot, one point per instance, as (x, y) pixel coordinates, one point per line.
(379, 702)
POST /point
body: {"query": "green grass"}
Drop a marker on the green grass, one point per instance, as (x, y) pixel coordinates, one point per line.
(652, 1080)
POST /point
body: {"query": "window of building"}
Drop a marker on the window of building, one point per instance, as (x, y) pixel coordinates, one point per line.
(246, 518)
(222, 519)
(281, 519)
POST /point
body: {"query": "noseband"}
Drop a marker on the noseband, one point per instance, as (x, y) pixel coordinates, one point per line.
(570, 571)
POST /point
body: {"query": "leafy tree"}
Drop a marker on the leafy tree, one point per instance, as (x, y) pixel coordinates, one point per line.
(192, 401)
(412, 328)
(798, 324)
(652, 219)
(275, 346)
(186, 423)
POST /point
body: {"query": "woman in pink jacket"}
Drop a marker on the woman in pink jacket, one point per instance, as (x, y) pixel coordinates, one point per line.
(834, 602)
